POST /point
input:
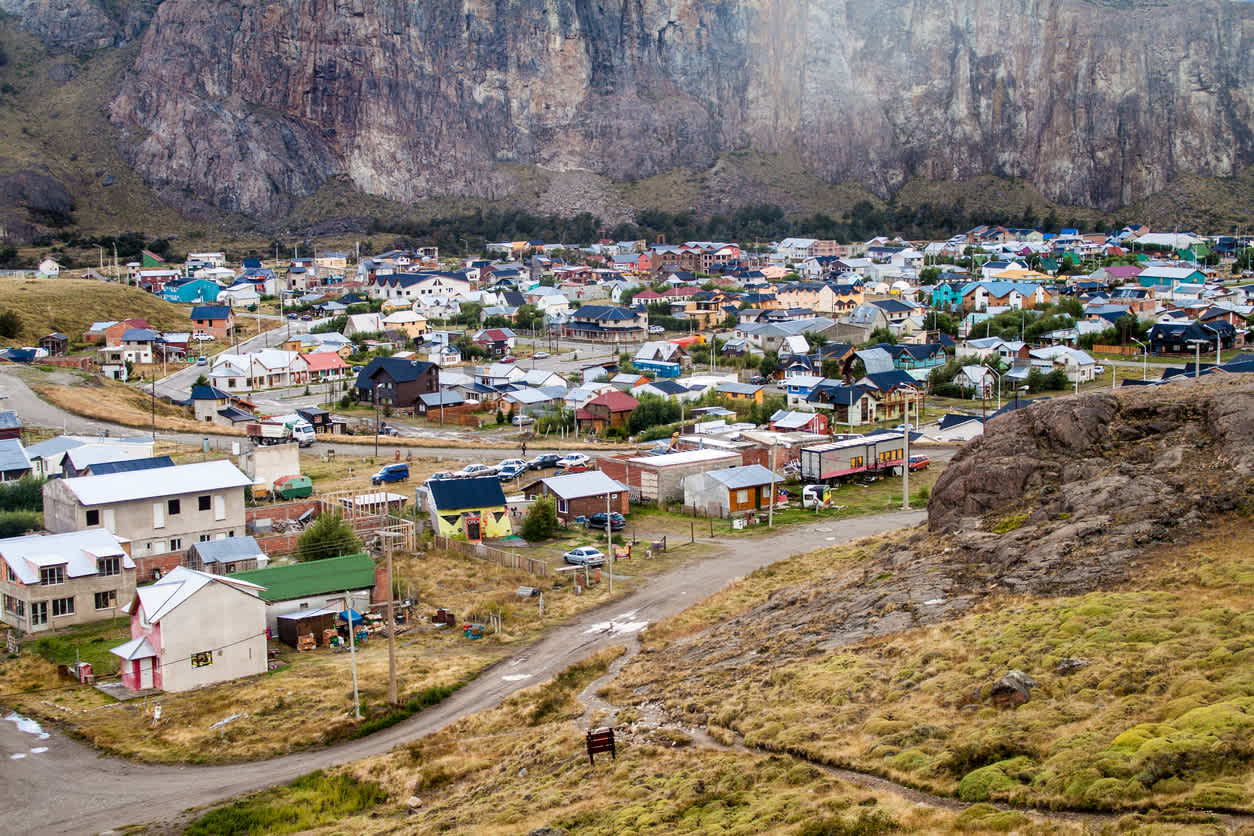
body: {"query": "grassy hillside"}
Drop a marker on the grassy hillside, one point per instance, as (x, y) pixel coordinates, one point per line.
(71, 305)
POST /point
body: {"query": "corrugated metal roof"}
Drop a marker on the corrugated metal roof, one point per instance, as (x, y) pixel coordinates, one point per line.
(228, 549)
(161, 598)
(686, 457)
(315, 577)
(131, 465)
(139, 648)
(78, 550)
(9, 420)
(456, 494)
(165, 481)
(747, 476)
(589, 483)
(13, 455)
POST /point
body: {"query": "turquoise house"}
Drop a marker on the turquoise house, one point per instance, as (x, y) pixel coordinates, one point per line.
(946, 296)
(193, 292)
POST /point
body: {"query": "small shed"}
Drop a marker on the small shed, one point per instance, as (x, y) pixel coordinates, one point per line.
(302, 623)
(56, 344)
(735, 490)
(318, 418)
(227, 555)
(293, 487)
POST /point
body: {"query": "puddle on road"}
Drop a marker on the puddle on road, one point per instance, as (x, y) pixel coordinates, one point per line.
(39, 750)
(17, 756)
(26, 724)
(517, 677)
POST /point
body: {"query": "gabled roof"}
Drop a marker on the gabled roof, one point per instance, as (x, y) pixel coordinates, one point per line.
(745, 476)
(166, 481)
(210, 312)
(457, 494)
(399, 369)
(578, 485)
(131, 465)
(313, 577)
(76, 550)
(955, 419)
(229, 549)
(13, 455)
(615, 401)
(163, 597)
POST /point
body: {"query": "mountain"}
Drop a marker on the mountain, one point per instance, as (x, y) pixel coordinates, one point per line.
(249, 105)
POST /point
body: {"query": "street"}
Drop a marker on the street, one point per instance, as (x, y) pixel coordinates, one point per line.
(68, 788)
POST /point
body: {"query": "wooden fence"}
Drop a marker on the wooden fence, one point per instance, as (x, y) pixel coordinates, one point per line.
(1125, 350)
(510, 560)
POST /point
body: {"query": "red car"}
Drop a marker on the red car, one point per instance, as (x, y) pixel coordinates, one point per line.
(509, 358)
(919, 463)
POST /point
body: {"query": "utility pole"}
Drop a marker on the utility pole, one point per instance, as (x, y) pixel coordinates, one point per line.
(609, 542)
(770, 509)
(352, 652)
(387, 547)
(905, 465)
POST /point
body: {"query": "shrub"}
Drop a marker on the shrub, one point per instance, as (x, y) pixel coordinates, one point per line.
(26, 494)
(328, 536)
(13, 523)
(541, 520)
(10, 324)
(308, 801)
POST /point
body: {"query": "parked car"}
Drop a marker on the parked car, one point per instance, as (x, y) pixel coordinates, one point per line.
(306, 318)
(656, 329)
(442, 474)
(512, 463)
(391, 473)
(919, 462)
(202, 361)
(522, 420)
(202, 337)
(571, 460)
(1099, 370)
(510, 472)
(508, 358)
(543, 461)
(541, 355)
(758, 380)
(617, 521)
(584, 556)
(293, 316)
(477, 470)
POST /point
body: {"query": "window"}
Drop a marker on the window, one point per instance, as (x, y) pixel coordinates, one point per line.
(14, 606)
(561, 506)
(8, 573)
(219, 507)
(205, 538)
(203, 502)
(52, 576)
(38, 613)
(230, 567)
(106, 600)
(109, 566)
(203, 659)
(742, 497)
(93, 516)
(176, 544)
(63, 606)
(172, 506)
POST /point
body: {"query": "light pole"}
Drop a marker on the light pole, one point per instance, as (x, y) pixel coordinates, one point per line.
(1218, 343)
(1197, 354)
(1144, 358)
(609, 543)
(375, 392)
(905, 465)
(995, 374)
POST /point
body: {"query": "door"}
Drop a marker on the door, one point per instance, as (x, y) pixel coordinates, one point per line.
(158, 515)
(145, 672)
(109, 520)
(474, 526)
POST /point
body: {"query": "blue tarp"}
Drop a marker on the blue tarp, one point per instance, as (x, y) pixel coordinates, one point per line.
(356, 616)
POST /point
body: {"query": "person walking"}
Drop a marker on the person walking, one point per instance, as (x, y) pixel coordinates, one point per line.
(524, 449)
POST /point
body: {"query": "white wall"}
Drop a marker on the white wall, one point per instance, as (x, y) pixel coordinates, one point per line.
(223, 619)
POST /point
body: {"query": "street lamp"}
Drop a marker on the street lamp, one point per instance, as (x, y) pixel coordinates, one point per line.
(1144, 358)
(1197, 352)
(1218, 343)
(998, 376)
(375, 392)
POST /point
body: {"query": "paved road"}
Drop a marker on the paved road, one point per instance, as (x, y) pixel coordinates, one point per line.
(178, 385)
(69, 789)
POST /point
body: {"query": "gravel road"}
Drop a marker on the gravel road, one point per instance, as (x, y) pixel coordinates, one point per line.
(69, 788)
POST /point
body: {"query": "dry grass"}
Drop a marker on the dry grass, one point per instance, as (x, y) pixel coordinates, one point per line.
(119, 403)
(1160, 714)
(72, 305)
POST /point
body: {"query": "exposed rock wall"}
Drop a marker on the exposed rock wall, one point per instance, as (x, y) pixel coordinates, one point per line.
(249, 102)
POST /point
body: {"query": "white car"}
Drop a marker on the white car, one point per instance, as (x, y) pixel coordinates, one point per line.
(522, 420)
(573, 460)
(656, 329)
(202, 337)
(477, 470)
(504, 463)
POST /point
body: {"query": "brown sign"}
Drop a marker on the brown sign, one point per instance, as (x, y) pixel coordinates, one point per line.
(601, 740)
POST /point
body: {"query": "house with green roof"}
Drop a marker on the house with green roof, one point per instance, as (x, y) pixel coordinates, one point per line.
(318, 584)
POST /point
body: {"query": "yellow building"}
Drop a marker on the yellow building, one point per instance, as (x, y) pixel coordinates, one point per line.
(468, 509)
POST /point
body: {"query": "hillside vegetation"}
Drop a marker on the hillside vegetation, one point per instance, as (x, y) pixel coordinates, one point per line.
(72, 305)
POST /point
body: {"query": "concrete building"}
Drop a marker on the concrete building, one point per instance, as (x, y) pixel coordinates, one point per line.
(162, 513)
(582, 494)
(192, 629)
(57, 580)
(733, 490)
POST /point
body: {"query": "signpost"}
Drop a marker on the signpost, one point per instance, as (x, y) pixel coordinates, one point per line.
(600, 740)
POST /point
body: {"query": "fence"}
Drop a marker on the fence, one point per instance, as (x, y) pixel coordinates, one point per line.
(1126, 350)
(510, 560)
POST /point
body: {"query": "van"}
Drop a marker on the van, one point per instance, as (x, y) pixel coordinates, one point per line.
(391, 473)
(303, 434)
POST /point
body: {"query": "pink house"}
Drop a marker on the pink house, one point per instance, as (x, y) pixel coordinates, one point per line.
(191, 629)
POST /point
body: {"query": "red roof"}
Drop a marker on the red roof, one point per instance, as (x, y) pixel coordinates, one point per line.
(322, 361)
(616, 401)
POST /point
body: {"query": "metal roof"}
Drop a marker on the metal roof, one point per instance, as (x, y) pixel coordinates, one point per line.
(139, 648)
(228, 549)
(686, 457)
(313, 577)
(161, 598)
(456, 494)
(578, 485)
(166, 481)
(9, 420)
(131, 465)
(13, 456)
(77, 550)
(748, 476)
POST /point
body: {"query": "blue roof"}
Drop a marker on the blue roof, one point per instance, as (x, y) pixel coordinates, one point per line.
(130, 465)
(203, 392)
(457, 494)
(12, 456)
(9, 420)
(210, 312)
(227, 549)
(603, 313)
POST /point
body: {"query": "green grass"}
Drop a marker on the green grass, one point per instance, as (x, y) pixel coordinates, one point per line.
(90, 641)
(71, 305)
(309, 801)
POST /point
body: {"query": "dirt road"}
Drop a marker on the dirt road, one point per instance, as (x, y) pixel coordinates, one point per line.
(68, 788)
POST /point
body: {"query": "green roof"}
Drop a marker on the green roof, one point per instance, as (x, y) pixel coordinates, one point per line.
(315, 577)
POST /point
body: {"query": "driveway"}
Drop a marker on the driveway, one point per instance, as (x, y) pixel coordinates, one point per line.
(68, 788)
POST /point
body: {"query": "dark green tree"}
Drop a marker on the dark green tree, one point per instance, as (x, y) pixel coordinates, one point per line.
(541, 520)
(327, 536)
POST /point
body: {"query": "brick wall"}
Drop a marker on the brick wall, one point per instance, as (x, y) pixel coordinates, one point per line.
(166, 563)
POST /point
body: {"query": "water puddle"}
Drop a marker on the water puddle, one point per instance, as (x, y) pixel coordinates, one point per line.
(26, 724)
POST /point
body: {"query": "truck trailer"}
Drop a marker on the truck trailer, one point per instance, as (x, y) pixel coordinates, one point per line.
(875, 454)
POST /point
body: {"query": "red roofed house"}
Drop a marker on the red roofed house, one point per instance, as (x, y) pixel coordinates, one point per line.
(610, 409)
(111, 333)
(326, 365)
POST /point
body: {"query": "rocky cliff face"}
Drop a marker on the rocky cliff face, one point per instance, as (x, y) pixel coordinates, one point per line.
(249, 102)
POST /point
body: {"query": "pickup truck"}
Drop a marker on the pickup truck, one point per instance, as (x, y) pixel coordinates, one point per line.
(282, 430)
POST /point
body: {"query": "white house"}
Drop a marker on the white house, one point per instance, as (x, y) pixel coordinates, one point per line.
(191, 629)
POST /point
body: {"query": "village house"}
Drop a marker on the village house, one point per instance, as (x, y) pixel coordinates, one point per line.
(333, 583)
(396, 382)
(730, 491)
(610, 409)
(161, 514)
(58, 580)
(192, 629)
(215, 321)
(660, 478)
(226, 556)
(582, 494)
(468, 509)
